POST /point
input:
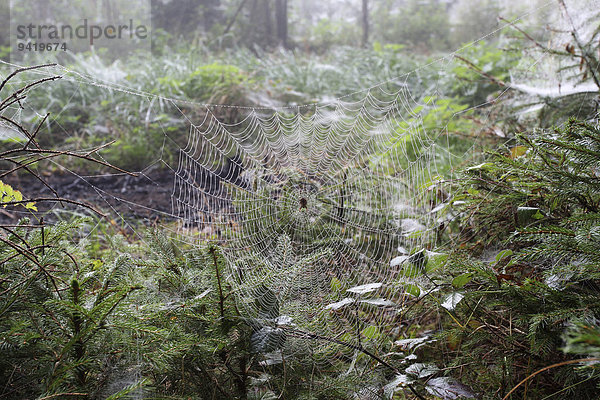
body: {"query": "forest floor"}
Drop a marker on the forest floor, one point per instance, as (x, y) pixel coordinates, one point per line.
(146, 196)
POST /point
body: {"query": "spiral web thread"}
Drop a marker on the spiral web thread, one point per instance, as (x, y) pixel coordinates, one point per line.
(325, 212)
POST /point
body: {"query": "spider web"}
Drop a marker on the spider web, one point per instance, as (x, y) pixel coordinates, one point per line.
(326, 212)
(313, 205)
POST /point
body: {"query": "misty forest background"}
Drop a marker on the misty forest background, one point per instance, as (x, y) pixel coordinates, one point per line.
(96, 305)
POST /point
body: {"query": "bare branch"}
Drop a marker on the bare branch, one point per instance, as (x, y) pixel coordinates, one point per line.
(20, 70)
(32, 138)
(27, 87)
(56, 200)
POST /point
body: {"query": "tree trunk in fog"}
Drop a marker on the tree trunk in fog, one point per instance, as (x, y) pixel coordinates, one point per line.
(260, 28)
(281, 20)
(110, 13)
(365, 23)
(4, 23)
(212, 13)
(268, 21)
(42, 11)
(232, 20)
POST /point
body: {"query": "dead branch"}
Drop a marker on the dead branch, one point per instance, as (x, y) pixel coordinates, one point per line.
(31, 153)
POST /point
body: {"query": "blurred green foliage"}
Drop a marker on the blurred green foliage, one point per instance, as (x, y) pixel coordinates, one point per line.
(424, 26)
(213, 81)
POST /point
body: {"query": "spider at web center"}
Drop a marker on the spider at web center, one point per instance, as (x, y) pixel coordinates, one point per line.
(303, 203)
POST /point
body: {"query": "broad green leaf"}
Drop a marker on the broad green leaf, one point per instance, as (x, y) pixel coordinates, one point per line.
(8, 190)
(462, 280)
(502, 255)
(399, 382)
(379, 302)
(410, 271)
(398, 261)
(518, 151)
(419, 259)
(448, 389)
(421, 370)
(435, 261)
(370, 332)
(339, 304)
(412, 289)
(363, 289)
(413, 344)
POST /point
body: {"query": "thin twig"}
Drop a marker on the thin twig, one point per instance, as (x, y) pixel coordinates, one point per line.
(63, 394)
(57, 200)
(213, 251)
(55, 153)
(475, 68)
(560, 364)
(16, 124)
(533, 40)
(32, 138)
(16, 94)
(18, 71)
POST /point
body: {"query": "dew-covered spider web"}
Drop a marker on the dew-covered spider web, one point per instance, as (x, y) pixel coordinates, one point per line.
(313, 203)
(326, 213)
